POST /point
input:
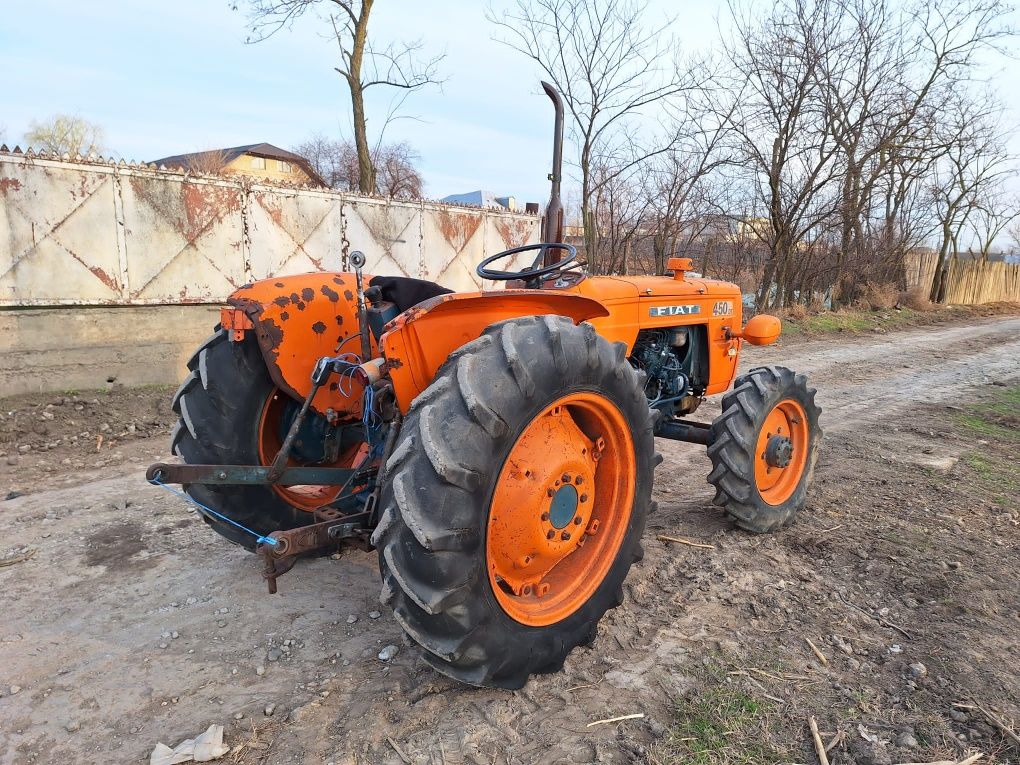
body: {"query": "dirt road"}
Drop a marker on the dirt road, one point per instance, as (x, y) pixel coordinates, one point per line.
(132, 624)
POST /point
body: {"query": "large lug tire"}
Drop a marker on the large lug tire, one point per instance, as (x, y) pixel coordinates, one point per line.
(763, 448)
(220, 407)
(437, 546)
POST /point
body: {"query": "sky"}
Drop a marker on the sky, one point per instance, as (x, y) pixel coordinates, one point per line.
(166, 78)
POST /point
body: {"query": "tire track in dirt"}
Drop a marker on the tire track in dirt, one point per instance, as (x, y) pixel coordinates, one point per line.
(867, 380)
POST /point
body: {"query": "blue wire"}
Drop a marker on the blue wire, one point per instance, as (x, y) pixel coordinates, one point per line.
(258, 537)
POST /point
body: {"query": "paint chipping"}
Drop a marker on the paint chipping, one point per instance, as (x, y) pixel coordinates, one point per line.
(318, 327)
(333, 296)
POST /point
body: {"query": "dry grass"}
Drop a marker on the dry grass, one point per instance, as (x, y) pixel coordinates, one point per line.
(798, 323)
(916, 299)
(879, 296)
(797, 312)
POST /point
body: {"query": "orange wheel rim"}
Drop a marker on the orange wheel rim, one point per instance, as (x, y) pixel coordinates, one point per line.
(561, 509)
(303, 497)
(781, 452)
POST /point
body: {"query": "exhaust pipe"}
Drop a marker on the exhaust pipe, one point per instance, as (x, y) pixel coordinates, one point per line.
(552, 226)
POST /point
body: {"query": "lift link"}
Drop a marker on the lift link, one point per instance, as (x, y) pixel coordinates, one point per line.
(332, 529)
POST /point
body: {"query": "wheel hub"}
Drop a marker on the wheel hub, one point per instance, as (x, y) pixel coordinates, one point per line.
(779, 451)
(564, 506)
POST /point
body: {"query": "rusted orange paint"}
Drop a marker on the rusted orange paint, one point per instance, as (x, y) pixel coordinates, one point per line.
(236, 322)
(776, 484)
(298, 320)
(541, 573)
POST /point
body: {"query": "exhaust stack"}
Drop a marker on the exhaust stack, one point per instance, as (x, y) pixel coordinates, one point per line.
(552, 225)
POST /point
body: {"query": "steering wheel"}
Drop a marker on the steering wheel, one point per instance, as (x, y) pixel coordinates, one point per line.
(532, 275)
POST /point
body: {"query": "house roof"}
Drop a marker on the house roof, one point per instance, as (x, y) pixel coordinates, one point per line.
(480, 198)
(229, 155)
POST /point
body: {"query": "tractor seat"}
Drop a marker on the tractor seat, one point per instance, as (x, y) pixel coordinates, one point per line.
(405, 292)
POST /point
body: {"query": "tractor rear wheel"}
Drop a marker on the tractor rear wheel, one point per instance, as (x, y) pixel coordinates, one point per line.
(515, 500)
(763, 448)
(231, 413)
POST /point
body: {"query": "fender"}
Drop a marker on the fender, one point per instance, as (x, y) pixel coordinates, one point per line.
(298, 320)
(419, 340)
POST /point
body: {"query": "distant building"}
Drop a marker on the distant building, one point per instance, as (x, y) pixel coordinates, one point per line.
(257, 160)
(482, 199)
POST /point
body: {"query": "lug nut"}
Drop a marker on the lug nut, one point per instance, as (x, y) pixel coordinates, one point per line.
(577, 520)
(545, 516)
(565, 536)
(584, 497)
(579, 480)
(550, 492)
(550, 534)
(566, 478)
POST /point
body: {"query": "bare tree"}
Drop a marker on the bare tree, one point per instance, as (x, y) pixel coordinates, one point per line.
(363, 66)
(611, 69)
(995, 210)
(682, 198)
(975, 159)
(66, 134)
(618, 212)
(212, 162)
(336, 162)
(1014, 232)
(397, 176)
(783, 136)
(886, 70)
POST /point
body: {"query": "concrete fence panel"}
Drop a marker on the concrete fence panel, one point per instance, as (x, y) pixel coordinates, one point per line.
(97, 233)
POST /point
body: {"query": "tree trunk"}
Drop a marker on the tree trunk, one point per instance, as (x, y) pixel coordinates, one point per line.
(938, 282)
(366, 170)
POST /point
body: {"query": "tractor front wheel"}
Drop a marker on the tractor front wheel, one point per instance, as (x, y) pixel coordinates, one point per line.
(763, 448)
(515, 501)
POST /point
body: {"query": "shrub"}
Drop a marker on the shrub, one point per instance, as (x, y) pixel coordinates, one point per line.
(916, 299)
(879, 296)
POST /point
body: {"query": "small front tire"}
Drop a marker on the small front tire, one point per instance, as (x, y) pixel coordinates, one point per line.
(763, 448)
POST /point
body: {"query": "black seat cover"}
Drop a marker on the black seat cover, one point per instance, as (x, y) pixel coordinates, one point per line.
(405, 292)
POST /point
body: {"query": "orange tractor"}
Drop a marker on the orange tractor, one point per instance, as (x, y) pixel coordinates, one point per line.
(497, 448)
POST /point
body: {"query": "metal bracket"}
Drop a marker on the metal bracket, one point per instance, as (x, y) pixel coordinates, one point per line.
(252, 475)
(332, 530)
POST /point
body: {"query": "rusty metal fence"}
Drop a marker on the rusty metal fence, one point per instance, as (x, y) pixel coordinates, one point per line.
(105, 233)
